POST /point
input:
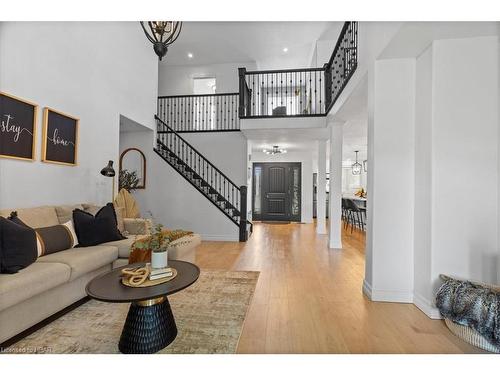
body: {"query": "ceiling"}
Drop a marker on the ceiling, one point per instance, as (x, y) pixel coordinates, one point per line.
(291, 139)
(414, 37)
(260, 42)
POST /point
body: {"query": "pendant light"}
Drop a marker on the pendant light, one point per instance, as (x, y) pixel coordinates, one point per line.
(356, 167)
(274, 151)
(161, 34)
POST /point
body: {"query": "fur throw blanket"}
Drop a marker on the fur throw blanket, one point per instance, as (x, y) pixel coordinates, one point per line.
(471, 304)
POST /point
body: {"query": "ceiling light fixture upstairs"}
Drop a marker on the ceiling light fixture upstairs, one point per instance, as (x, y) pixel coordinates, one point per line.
(190, 55)
(356, 167)
(162, 34)
(274, 151)
(285, 49)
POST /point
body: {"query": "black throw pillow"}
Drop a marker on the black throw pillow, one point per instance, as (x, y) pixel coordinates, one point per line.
(17, 246)
(50, 239)
(93, 230)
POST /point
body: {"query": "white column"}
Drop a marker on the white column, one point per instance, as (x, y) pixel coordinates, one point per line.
(391, 193)
(335, 198)
(321, 189)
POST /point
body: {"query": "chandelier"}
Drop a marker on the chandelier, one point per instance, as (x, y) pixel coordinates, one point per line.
(275, 150)
(356, 167)
(161, 34)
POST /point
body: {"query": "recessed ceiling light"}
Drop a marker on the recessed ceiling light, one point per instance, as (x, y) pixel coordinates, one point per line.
(285, 49)
(190, 55)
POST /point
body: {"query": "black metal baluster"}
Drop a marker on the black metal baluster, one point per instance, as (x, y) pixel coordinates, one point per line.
(224, 123)
(220, 112)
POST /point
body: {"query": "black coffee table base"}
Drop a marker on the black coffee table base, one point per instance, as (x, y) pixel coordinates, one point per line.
(150, 327)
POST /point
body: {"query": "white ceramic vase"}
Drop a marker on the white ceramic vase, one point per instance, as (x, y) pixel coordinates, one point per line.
(159, 260)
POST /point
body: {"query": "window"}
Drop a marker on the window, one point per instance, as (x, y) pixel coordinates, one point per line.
(204, 86)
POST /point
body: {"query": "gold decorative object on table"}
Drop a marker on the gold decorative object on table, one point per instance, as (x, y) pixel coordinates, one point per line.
(139, 277)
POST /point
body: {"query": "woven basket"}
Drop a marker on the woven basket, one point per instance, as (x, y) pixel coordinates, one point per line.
(470, 335)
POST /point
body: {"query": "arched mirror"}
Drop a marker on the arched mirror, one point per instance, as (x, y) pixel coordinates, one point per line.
(132, 169)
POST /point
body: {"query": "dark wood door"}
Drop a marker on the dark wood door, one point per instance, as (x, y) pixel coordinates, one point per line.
(276, 190)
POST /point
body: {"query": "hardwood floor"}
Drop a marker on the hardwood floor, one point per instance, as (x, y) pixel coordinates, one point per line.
(308, 298)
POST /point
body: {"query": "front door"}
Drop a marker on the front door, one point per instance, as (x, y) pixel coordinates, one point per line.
(276, 191)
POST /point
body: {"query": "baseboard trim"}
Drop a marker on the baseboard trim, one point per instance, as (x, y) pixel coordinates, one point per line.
(334, 244)
(380, 295)
(217, 237)
(420, 302)
(399, 296)
(426, 306)
(367, 289)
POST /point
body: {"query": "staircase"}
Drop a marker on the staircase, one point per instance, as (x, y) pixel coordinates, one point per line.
(204, 176)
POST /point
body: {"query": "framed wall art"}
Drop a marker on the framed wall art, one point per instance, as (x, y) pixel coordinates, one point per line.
(60, 138)
(17, 127)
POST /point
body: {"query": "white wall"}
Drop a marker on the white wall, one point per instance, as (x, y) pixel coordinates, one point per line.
(306, 158)
(441, 217)
(465, 154)
(68, 67)
(283, 123)
(423, 180)
(391, 243)
(178, 80)
(457, 142)
(173, 201)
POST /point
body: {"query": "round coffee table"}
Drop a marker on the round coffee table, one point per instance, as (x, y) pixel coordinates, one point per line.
(150, 324)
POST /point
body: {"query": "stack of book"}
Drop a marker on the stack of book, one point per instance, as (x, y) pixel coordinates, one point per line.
(160, 273)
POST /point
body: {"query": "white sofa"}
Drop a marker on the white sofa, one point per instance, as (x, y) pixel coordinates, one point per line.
(58, 280)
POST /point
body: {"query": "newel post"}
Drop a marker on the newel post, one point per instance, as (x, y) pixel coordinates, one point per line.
(242, 84)
(243, 213)
(328, 85)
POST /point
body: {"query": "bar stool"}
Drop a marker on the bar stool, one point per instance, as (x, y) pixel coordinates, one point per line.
(355, 215)
(344, 211)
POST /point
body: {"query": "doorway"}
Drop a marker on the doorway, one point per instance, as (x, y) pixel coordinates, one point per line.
(277, 191)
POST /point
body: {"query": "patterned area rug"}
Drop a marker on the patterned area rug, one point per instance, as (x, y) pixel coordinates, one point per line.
(209, 316)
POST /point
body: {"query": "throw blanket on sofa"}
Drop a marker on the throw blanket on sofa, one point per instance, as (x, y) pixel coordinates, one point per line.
(471, 304)
(140, 255)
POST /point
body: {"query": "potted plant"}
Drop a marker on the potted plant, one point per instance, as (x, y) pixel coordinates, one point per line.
(159, 248)
(128, 180)
(157, 245)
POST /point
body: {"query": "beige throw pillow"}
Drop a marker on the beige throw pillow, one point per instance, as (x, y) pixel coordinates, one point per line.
(65, 213)
(119, 218)
(126, 200)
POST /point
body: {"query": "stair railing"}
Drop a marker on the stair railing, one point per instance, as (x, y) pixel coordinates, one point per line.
(300, 92)
(200, 113)
(342, 64)
(224, 193)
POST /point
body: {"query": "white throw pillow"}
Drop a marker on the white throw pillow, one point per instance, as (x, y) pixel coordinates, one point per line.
(71, 229)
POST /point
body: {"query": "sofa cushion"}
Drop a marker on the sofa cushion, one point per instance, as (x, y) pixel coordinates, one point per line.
(137, 226)
(33, 280)
(122, 245)
(83, 260)
(36, 217)
(183, 250)
(65, 213)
